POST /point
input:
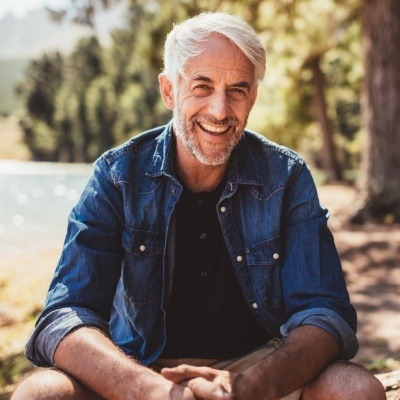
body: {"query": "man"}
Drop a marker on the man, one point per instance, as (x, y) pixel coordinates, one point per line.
(195, 249)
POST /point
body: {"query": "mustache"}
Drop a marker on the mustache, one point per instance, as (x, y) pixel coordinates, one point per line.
(209, 119)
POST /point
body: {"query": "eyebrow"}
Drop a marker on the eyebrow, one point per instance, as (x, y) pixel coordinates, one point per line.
(242, 84)
(202, 78)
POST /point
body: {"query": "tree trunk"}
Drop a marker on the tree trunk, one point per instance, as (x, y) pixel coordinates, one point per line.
(328, 156)
(379, 185)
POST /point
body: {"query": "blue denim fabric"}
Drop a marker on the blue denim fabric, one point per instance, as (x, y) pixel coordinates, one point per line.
(116, 267)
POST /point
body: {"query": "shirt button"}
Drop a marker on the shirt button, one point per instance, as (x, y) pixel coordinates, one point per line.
(200, 202)
(174, 191)
(275, 256)
(239, 258)
(223, 209)
(203, 236)
(204, 274)
(142, 247)
(255, 305)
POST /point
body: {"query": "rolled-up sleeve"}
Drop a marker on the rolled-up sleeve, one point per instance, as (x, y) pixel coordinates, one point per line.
(54, 327)
(313, 283)
(331, 322)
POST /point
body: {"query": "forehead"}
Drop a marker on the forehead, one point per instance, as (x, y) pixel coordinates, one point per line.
(220, 59)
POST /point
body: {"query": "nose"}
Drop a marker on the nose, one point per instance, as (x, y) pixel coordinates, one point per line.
(218, 106)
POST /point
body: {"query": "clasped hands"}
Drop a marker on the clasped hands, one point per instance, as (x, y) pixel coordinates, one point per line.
(211, 384)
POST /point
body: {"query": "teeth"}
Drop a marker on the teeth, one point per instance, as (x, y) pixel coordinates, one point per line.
(214, 128)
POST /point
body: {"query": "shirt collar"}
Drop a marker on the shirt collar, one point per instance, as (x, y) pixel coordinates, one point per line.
(243, 168)
(163, 157)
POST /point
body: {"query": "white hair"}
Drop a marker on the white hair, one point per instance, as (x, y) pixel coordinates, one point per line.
(186, 40)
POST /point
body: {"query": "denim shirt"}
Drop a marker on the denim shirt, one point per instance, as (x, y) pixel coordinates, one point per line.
(116, 268)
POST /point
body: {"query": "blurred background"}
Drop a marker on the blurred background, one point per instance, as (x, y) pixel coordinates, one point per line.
(80, 76)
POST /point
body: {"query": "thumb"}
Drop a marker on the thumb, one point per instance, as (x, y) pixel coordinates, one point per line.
(209, 390)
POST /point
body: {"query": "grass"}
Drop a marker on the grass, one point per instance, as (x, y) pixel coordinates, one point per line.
(383, 365)
(12, 368)
(24, 279)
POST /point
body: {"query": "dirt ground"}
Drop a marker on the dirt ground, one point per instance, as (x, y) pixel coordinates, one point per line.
(371, 261)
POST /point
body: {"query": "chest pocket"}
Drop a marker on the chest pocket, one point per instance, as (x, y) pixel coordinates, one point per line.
(143, 265)
(264, 260)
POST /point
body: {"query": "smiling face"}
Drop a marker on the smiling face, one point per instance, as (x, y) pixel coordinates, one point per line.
(211, 103)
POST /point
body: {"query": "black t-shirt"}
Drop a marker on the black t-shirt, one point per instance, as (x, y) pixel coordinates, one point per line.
(208, 316)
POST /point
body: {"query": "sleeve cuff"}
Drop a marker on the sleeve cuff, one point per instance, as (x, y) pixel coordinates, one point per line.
(54, 327)
(329, 321)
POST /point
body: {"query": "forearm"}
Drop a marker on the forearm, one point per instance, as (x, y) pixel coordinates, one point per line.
(305, 353)
(89, 356)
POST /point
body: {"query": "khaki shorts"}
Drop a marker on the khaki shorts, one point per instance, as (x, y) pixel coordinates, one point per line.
(237, 364)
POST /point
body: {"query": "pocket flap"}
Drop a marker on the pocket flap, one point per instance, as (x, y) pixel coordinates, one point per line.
(268, 252)
(142, 243)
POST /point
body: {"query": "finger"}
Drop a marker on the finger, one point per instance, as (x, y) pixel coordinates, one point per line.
(179, 392)
(206, 389)
(173, 376)
(184, 372)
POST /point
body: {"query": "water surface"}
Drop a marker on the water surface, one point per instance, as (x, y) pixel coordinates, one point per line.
(35, 200)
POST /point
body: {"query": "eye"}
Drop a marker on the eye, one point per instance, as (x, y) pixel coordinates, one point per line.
(202, 90)
(203, 87)
(238, 90)
(237, 93)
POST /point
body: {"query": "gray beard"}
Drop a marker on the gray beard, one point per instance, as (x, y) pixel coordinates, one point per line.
(222, 151)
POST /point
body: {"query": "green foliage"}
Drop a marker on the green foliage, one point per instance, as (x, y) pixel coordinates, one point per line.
(39, 89)
(100, 102)
(310, 29)
(40, 138)
(43, 79)
(81, 105)
(383, 365)
(11, 368)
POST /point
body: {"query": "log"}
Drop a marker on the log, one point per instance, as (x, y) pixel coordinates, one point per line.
(391, 383)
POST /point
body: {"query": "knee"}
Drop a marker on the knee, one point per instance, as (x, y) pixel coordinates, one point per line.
(369, 388)
(25, 390)
(44, 385)
(345, 381)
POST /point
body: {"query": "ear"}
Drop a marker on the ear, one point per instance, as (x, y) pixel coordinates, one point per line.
(166, 90)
